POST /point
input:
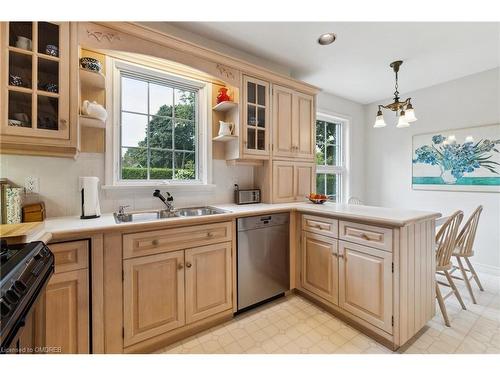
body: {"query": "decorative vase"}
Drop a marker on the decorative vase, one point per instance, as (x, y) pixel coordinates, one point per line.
(223, 96)
(448, 178)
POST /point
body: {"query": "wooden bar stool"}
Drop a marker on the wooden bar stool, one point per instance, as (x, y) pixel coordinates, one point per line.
(464, 249)
(445, 242)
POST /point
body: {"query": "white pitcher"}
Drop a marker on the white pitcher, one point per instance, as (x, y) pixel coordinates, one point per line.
(226, 128)
(95, 110)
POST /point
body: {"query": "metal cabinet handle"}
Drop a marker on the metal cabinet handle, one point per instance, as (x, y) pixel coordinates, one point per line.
(341, 256)
(188, 265)
(155, 242)
(335, 255)
(180, 266)
(210, 234)
(63, 123)
(364, 236)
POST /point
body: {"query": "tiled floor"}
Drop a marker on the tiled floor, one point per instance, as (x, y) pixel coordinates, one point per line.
(295, 325)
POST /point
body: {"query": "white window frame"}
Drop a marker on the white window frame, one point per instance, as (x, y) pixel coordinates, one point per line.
(113, 129)
(342, 169)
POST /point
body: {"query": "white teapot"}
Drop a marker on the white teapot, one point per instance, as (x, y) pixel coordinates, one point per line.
(226, 128)
(94, 109)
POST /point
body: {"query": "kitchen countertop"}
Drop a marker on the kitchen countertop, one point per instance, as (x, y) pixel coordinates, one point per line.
(393, 217)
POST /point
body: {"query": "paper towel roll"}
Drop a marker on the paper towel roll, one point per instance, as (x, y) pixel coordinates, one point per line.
(89, 188)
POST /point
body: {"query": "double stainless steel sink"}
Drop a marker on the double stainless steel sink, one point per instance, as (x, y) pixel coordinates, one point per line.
(150, 215)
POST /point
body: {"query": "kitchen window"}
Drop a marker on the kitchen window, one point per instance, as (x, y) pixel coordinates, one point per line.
(158, 127)
(329, 157)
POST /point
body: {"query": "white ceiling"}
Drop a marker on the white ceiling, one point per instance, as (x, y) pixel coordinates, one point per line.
(356, 66)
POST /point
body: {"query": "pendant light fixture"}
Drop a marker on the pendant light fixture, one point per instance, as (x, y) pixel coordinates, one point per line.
(403, 109)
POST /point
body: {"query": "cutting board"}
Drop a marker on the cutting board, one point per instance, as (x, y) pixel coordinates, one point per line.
(19, 233)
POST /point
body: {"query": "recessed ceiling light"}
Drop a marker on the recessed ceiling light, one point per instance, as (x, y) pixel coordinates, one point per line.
(327, 38)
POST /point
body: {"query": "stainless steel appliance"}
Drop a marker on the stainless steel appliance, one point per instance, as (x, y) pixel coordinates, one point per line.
(263, 259)
(24, 272)
(246, 196)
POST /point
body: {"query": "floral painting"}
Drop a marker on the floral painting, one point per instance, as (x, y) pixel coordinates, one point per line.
(462, 159)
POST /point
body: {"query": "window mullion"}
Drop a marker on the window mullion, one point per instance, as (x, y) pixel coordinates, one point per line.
(173, 134)
(147, 140)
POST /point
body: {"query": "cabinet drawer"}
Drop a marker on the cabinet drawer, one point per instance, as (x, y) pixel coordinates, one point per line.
(154, 242)
(369, 235)
(320, 225)
(70, 256)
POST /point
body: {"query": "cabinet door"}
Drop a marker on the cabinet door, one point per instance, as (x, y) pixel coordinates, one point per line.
(304, 175)
(208, 281)
(36, 79)
(303, 126)
(320, 266)
(153, 295)
(283, 131)
(66, 312)
(256, 123)
(283, 182)
(366, 283)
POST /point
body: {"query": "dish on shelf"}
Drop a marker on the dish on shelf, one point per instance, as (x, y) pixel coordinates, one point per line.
(317, 198)
(13, 122)
(49, 87)
(52, 50)
(91, 64)
(15, 80)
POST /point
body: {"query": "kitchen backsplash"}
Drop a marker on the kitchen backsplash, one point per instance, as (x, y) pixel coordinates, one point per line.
(58, 184)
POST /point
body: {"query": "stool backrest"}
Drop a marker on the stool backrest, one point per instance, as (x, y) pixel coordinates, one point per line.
(446, 238)
(467, 235)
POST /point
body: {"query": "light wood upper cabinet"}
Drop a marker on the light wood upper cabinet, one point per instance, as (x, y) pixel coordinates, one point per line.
(153, 295)
(292, 181)
(320, 266)
(293, 124)
(365, 283)
(283, 132)
(303, 125)
(256, 124)
(283, 182)
(208, 281)
(35, 88)
(66, 315)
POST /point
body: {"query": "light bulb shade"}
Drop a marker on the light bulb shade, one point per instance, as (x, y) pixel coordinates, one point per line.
(402, 122)
(410, 114)
(379, 121)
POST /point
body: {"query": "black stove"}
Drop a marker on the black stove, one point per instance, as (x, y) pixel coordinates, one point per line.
(24, 271)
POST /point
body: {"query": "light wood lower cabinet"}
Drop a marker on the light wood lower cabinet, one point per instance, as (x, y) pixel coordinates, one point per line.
(365, 283)
(208, 281)
(167, 291)
(66, 314)
(153, 295)
(320, 266)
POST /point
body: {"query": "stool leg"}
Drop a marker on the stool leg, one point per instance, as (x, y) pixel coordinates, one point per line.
(474, 274)
(466, 279)
(455, 290)
(439, 297)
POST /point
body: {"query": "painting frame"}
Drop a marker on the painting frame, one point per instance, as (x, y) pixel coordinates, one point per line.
(432, 183)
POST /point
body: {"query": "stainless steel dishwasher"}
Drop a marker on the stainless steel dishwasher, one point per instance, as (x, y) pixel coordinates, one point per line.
(263, 258)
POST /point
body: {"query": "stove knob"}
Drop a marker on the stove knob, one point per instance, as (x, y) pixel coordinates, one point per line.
(11, 296)
(4, 309)
(19, 287)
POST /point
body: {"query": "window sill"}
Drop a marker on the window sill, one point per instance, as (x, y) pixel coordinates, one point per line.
(171, 186)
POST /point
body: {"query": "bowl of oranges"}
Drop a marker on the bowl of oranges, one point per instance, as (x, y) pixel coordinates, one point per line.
(317, 198)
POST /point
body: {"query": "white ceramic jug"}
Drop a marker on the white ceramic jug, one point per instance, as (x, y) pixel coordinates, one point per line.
(95, 110)
(226, 128)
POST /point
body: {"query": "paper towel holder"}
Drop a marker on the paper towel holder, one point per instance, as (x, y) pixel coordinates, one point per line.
(89, 199)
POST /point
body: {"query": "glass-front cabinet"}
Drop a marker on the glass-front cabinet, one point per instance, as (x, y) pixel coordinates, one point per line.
(255, 117)
(35, 79)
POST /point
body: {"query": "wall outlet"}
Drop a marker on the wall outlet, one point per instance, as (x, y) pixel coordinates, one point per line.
(31, 185)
